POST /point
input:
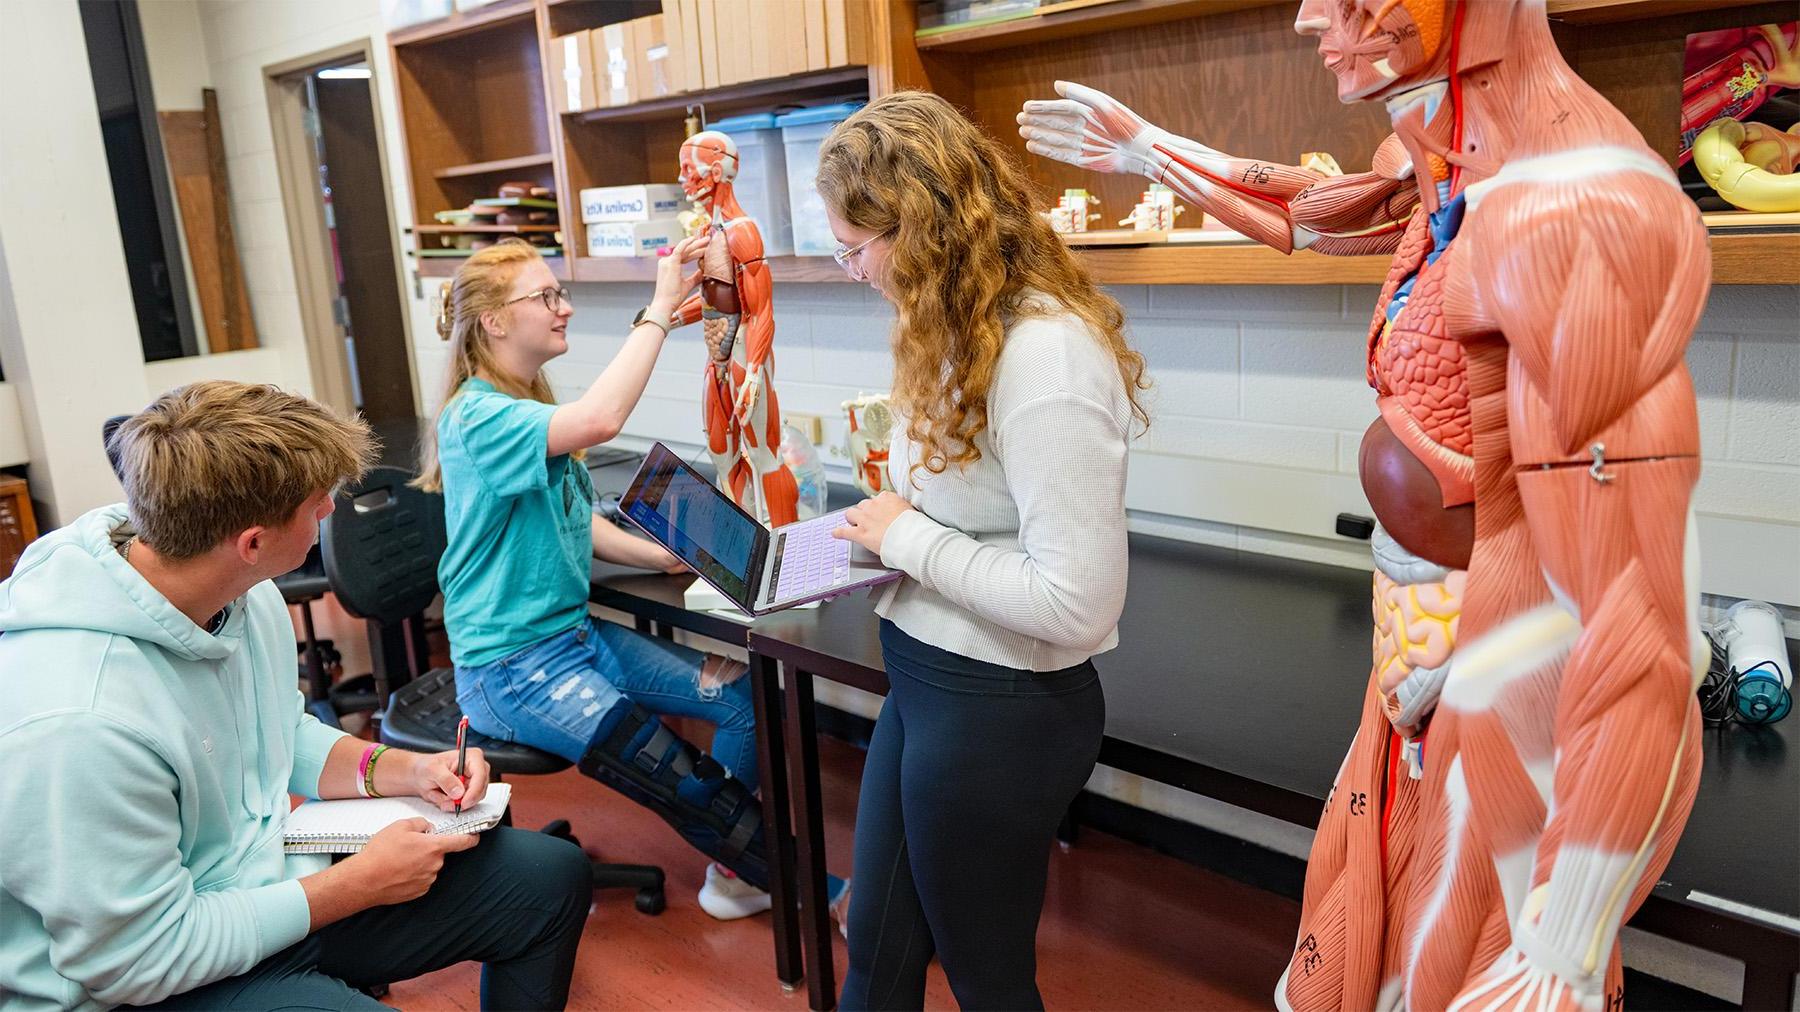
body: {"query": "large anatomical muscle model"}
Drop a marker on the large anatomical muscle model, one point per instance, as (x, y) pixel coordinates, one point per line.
(1527, 752)
(743, 418)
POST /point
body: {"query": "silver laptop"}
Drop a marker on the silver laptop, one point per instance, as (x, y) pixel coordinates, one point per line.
(759, 570)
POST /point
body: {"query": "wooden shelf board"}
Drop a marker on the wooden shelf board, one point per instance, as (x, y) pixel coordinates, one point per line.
(445, 267)
(787, 269)
(1182, 264)
(463, 22)
(1062, 24)
(497, 165)
(496, 229)
(1739, 258)
(812, 84)
(1756, 259)
(1592, 12)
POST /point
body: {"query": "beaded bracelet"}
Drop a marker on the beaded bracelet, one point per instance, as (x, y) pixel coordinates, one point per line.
(366, 785)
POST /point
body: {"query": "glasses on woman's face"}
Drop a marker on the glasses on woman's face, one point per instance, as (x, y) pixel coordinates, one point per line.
(843, 255)
(549, 296)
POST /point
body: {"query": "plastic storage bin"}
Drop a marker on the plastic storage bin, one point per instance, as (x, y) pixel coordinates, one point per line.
(802, 133)
(762, 186)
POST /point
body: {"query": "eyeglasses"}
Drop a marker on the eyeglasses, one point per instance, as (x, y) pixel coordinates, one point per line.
(842, 255)
(549, 296)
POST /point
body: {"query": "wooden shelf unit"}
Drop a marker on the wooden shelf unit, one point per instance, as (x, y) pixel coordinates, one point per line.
(499, 165)
(1595, 12)
(494, 229)
(1064, 24)
(639, 143)
(471, 94)
(1738, 259)
(463, 22)
(734, 98)
(1196, 66)
(783, 269)
(445, 267)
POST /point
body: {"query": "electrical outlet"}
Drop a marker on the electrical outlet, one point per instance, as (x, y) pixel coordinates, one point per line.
(810, 426)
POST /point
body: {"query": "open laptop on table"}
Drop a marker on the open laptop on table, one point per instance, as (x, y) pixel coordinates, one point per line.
(758, 570)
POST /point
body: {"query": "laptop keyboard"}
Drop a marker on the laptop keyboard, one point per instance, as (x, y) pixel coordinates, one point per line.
(808, 558)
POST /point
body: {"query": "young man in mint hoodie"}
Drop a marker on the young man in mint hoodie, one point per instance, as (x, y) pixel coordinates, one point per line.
(151, 733)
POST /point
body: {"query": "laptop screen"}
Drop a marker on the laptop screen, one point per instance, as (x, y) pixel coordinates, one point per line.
(696, 521)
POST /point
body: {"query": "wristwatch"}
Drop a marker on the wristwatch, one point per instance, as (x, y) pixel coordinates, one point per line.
(643, 316)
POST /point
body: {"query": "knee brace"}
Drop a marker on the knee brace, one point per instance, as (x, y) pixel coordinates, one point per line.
(636, 755)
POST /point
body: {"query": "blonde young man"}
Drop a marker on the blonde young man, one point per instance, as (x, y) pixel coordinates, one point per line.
(152, 733)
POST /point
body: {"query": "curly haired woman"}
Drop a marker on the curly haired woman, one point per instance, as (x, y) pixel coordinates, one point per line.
(1015, 397)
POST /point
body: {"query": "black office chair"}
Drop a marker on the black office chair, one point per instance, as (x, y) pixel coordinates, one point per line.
(422, 717)
(381, 549)
(299, 588)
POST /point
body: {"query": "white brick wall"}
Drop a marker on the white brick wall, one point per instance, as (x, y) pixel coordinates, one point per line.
(1251, 375)
(242, 39)
(1244, 374)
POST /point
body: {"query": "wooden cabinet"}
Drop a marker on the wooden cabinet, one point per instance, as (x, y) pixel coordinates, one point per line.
(471, 94)
(18, 527)
(1230, 72)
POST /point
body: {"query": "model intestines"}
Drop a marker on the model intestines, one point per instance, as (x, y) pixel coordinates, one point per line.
(1526, 754)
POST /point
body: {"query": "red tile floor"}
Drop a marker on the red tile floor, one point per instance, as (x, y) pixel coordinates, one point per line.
(1124, 927)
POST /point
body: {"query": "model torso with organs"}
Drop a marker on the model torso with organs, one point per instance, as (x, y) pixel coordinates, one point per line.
(1416, 460)
(1525, 757)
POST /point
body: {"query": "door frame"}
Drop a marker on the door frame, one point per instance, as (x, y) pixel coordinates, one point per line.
(309, 240)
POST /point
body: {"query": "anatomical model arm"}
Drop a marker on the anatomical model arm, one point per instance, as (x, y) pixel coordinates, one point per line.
(1590, 294)
(1282, 206)
(755, 408)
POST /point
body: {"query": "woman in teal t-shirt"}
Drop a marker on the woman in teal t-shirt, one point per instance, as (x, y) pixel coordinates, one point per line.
(531, 665)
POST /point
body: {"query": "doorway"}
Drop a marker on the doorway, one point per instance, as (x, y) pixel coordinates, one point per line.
(328, 142)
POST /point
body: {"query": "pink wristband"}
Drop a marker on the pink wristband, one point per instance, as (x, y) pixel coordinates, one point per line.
(362, 771)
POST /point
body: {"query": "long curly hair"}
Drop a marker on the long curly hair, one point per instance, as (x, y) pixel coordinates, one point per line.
(967, 255)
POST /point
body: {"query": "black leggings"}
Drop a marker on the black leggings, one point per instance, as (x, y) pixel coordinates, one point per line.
(971, 769)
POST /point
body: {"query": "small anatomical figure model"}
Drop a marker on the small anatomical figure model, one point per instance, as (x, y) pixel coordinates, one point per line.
(743, 419)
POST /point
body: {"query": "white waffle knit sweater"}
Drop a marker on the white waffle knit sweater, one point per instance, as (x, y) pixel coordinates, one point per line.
(1019, 558)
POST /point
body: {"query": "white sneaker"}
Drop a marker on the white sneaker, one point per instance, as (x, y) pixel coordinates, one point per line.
(727, 897)
(840, 910)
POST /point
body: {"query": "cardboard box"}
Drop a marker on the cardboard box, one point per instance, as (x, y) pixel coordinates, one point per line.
(706, 13)
(614, 65)
(815, 34)
(572, 73)
(672, 37)
(650, 55)
(643, 202)
(632, 238)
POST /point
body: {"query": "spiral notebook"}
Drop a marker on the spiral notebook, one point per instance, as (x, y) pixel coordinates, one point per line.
(344, 826)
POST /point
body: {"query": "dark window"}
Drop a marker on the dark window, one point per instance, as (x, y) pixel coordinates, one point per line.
(140, 179)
